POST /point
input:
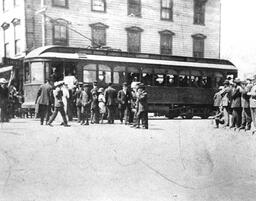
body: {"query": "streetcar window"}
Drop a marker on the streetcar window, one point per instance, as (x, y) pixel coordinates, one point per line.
(89, 73)
(218, 79)
(218, 82)
(37, 72)
(196, 81)
(104, 74)
(133, 75)
(172, 78)
(159, 79)
(147, 76)
(206, 82)
(184, 80)
(119, 75)
(47, 70)
(27, 73)
(70, 68)
(56, 70)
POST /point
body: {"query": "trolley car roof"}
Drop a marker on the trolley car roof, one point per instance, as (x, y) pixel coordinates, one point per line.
(58, 52)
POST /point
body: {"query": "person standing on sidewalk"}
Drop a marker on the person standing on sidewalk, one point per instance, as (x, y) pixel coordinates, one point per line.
(86, 103)
(95, 114)
(124, 103)
(236, 104)
(44, 100)
(142, 104)
(226, 93)
(78, 101)
(245, 102)
(58, 105)
(111, 102)
(252, 94)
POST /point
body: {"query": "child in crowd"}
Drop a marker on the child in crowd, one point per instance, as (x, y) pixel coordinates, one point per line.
(102, 106)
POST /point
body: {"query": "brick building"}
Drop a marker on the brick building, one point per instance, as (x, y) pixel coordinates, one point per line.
(177, 27)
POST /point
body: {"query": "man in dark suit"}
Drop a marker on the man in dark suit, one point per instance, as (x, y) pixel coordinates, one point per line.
(236, 104)
(124, 103)
(78, 101)
(245, 103)
(142, 107)
(95, 114)
(111, 101)
(44, 100)
(225, 102)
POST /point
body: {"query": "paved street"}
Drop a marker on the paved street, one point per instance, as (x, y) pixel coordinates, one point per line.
(175, 160)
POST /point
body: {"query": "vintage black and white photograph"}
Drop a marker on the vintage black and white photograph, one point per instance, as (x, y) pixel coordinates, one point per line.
(127, 100)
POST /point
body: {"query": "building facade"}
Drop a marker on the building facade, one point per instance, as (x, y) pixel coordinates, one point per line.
(173, 27)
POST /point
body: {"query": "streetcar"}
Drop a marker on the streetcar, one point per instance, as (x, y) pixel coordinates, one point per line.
(176, 85)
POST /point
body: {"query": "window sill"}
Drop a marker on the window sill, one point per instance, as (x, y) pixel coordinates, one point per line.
(99, 11)
(168, 20)
(134, 16)
(199, 24)
(57, 6)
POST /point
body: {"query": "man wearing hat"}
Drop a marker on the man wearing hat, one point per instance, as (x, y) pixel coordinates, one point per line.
(124, 103)
(225, 102)
(44, 99)
(252, 95)
(95, 113)
(86, 103)
(58, 105)
(111, 101)
(245, 103)
(78, 101)
(236, 104)
(217, 99)
(142, 107)
(4, 95)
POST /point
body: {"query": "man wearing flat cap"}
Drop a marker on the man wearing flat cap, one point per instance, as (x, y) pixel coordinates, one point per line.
(236, 106)
(124, 103)
(245, 103)
(78, 100)
(4, 95)
(142, 107)
(111, 102)
(94, 93)
(252, 95)
(86, 103)
(44, 100)
(226, 93)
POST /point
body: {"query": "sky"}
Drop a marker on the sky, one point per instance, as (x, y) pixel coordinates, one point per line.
(238, 34)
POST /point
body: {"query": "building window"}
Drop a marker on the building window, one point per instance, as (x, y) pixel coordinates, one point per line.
(17, 35)
(6, 5)
(199, 11)
(99, 36)
(99, 5)
(60, 33)
(166, 9)
(60, 3)
(134, 8)
(198, 45)
(6, 49)
(133, 39)
(7, 38)
(166, 42)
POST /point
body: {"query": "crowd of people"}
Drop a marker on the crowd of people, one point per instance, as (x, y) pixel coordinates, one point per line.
(92, 105)
(10, 101)
(235, 104)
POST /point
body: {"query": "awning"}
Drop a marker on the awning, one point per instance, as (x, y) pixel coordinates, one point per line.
(5, 69)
